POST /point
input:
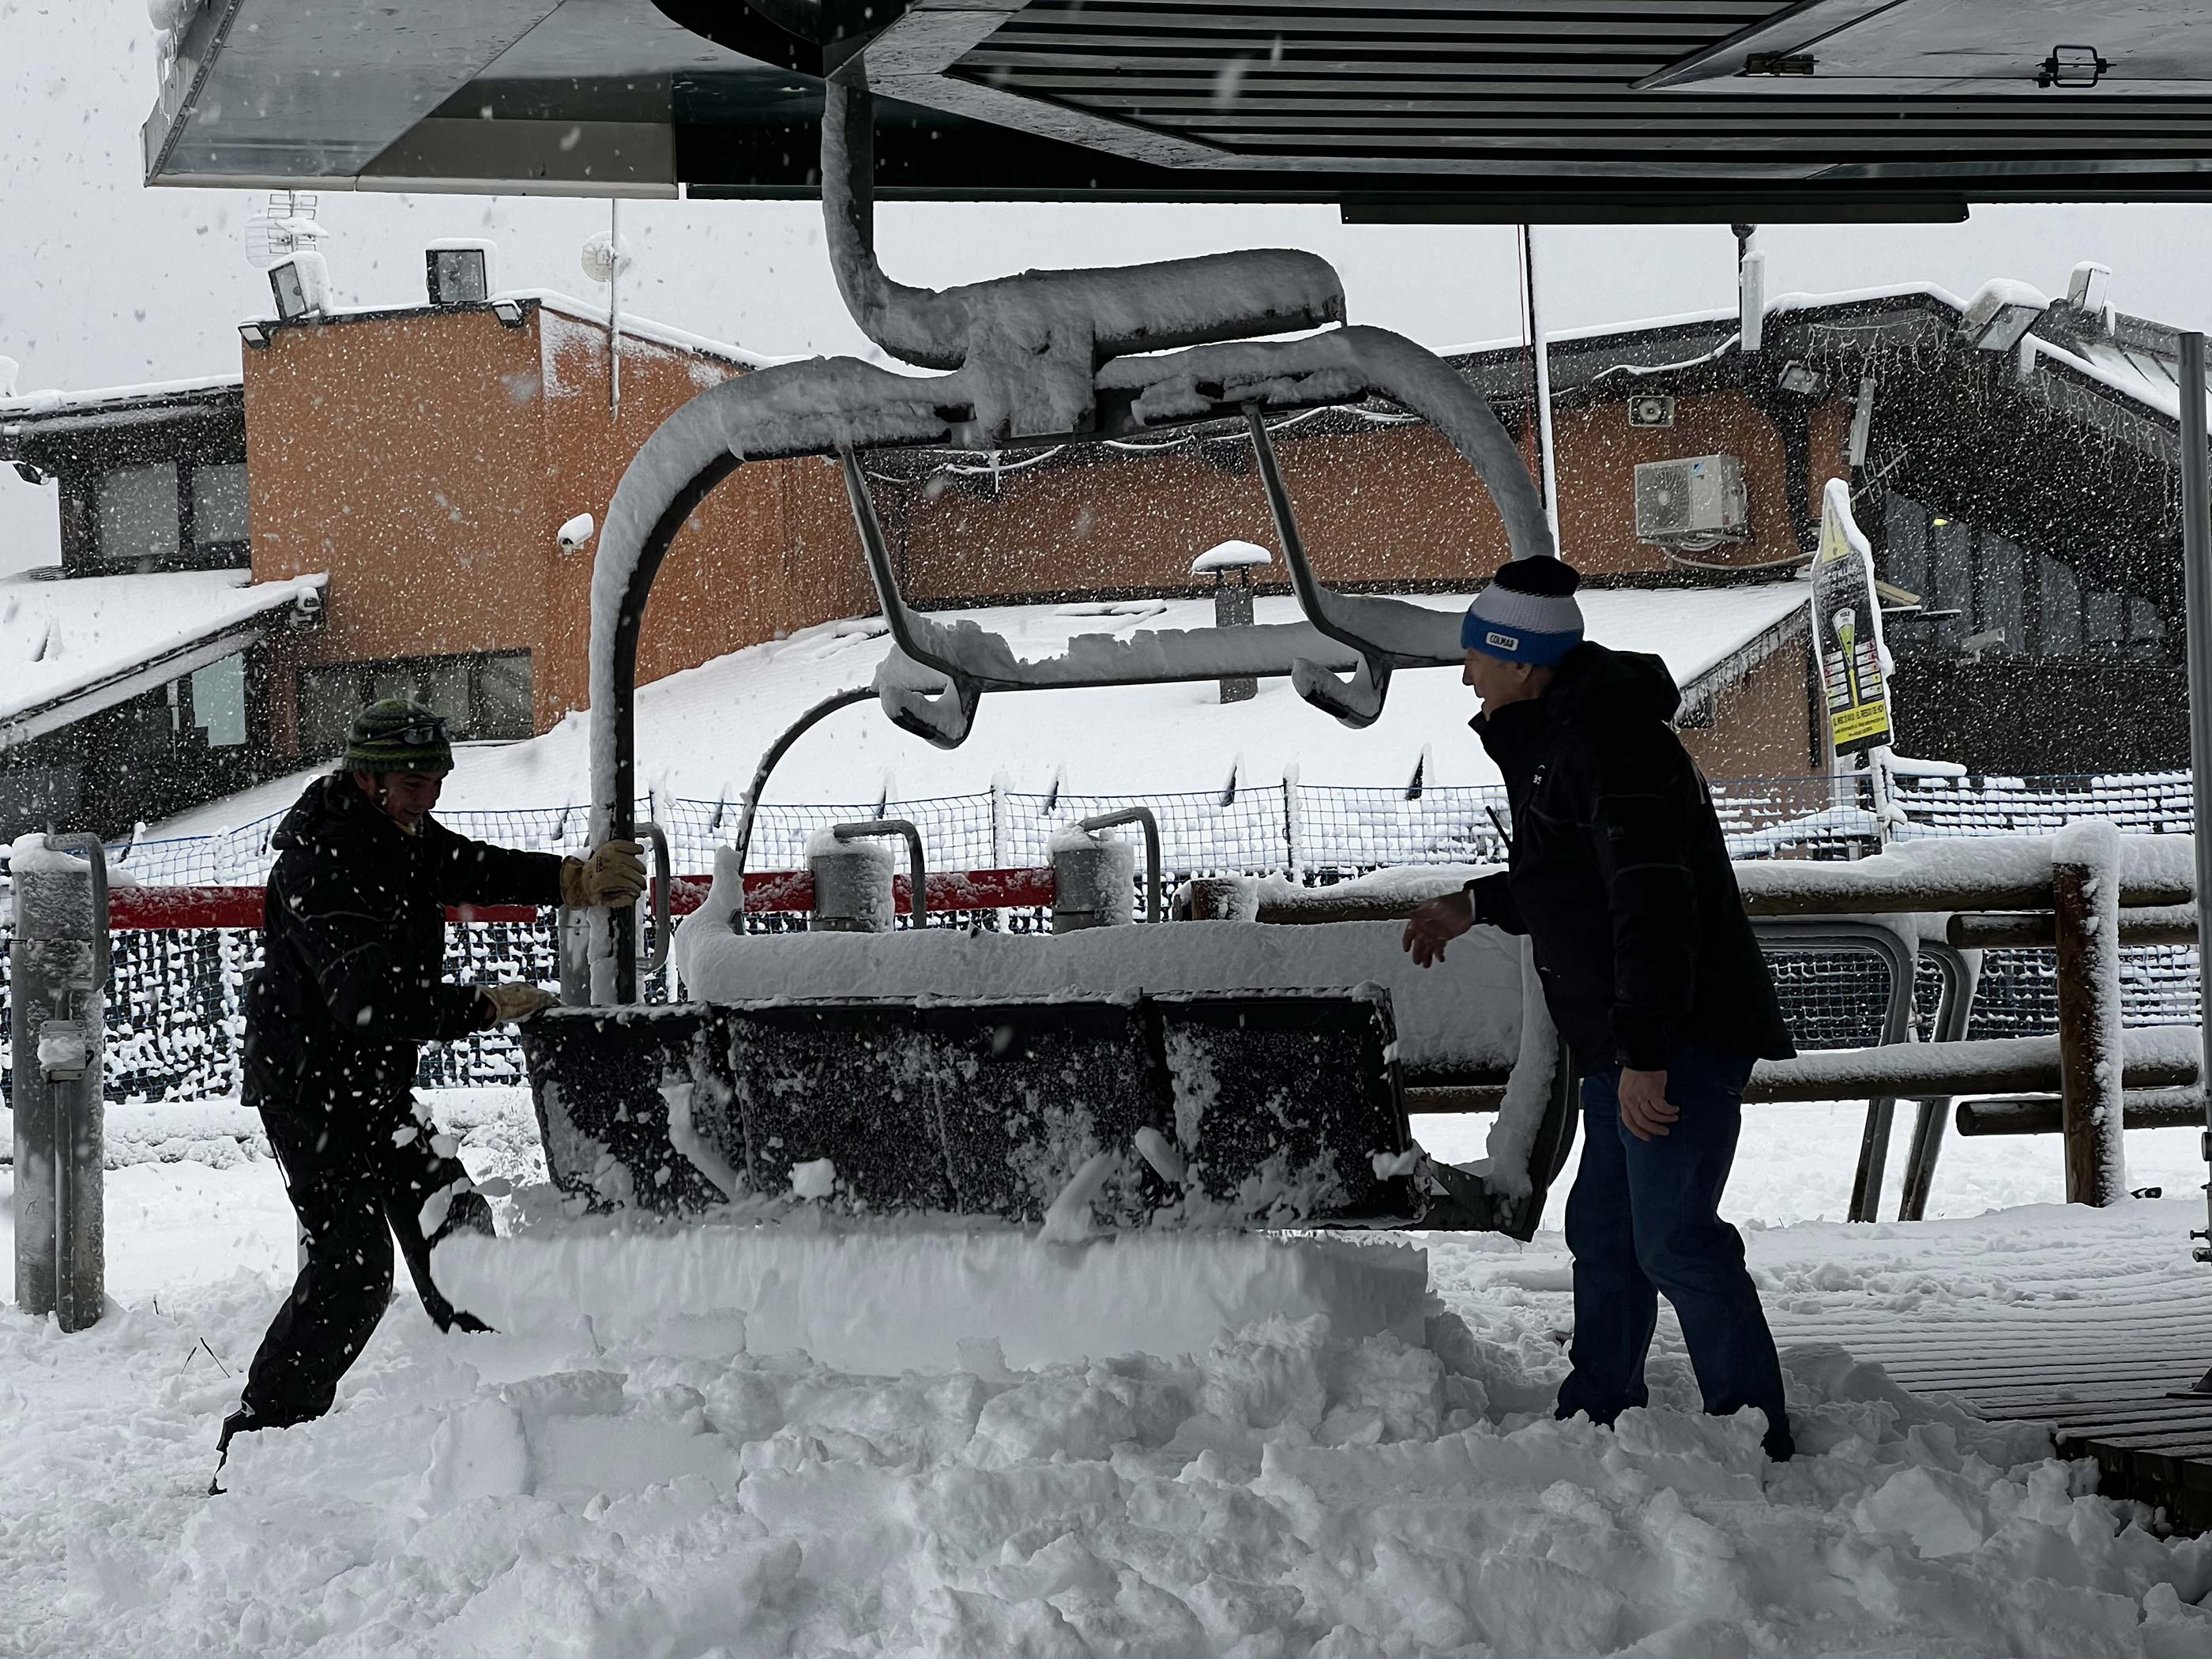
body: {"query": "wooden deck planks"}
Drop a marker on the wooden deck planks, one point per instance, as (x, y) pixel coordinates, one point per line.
(2094, 1370)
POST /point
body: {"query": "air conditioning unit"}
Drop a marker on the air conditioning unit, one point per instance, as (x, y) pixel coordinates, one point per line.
(1651, 408)
(1692, 504)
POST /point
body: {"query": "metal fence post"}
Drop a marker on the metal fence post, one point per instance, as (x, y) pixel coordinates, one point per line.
(2085, 870)
(58, 963)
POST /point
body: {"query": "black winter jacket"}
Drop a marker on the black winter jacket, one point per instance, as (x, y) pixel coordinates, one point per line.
(1619, 872)
(354, 932)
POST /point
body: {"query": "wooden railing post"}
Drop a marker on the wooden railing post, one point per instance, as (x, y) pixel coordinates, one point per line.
(2085, 868)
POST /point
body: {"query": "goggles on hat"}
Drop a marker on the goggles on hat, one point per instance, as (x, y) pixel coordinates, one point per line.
(417, 736)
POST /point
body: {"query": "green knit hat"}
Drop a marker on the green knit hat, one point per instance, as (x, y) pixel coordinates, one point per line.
(395, 734)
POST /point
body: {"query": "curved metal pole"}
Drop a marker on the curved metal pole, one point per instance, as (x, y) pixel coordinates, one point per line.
(821, 711)
(1139, 814)
(1358, 702)
(917, 872)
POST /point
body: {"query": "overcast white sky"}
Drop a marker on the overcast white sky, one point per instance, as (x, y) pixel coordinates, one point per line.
(105, 283)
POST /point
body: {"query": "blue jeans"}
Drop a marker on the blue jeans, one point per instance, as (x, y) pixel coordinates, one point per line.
(1644, 1218)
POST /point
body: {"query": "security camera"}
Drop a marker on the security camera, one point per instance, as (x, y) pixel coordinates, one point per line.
(575, 533)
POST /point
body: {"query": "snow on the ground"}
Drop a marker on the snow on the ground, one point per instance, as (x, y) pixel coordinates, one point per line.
(701, 732)
(1286, 1492)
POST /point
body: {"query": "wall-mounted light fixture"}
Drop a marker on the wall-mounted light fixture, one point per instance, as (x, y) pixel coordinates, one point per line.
(1802, 380)
(458, 273)
(509, 312)
(256, 335)
(2001, 314)
(302, 287)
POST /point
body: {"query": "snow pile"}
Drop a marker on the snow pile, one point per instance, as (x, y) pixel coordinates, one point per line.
(885, 1301)
(1285, 1489)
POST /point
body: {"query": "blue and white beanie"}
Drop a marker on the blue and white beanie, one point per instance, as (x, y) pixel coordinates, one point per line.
(1526, 614)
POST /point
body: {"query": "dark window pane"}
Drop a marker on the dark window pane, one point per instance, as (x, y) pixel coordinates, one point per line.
(137, 509)
(2000, 597)
(1951, 579)
(330, 697)
(1906, 521)
(443, 684)
(218, 505)
(219, 701)
(502, 695)
(2062, 608)
(2104, 619)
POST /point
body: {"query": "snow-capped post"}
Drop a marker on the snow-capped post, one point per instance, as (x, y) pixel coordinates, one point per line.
(1232, 600)
(58, 962)
(2085, 881)
(2196, 580)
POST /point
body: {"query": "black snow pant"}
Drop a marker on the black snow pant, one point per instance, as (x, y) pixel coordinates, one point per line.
(353, 1190)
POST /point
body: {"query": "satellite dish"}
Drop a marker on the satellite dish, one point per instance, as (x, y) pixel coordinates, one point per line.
(603, 258)
(283, 225)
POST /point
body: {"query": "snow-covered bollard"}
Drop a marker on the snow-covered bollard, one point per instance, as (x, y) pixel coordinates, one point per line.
(58, 964)
(853, 891)
(1092, 874)
(2085, 879)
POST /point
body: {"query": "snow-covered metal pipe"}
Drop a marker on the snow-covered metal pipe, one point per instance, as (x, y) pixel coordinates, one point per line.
(1085, 315)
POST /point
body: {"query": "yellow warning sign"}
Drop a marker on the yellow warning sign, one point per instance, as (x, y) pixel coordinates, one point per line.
(1847, 629)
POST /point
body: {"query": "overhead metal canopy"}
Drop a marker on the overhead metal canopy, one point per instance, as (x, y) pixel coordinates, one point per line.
(1566, 109)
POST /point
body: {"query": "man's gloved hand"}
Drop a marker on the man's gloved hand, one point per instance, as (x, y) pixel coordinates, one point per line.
(613, 876)
(514, 1002)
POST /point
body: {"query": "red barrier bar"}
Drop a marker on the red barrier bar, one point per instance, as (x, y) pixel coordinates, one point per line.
(175, 907)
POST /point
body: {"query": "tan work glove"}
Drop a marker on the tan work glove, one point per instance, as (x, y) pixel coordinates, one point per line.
(613, 876)
(513, 1001)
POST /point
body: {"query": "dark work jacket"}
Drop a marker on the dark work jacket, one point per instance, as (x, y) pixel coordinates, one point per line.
(353, 975)
(1619, 872)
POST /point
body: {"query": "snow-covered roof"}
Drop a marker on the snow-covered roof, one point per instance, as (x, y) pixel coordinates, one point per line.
(41, 403)
(66, 646)
(644, 328)
(701, 732)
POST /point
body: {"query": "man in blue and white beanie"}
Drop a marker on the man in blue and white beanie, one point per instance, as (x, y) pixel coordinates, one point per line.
(1619, 876)
(1527, 614)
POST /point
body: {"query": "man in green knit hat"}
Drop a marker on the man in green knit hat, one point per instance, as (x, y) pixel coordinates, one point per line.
(352, 983)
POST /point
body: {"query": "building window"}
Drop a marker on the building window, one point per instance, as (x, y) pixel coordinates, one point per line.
(486, 697)
(219, 701)
(138, 513)
(219, 505)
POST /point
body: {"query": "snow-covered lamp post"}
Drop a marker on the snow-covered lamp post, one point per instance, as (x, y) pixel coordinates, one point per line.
(1232, 600)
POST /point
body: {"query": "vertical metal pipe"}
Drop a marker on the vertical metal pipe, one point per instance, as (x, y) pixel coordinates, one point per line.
(1547, 460)
(614, 309)
(2196, 572)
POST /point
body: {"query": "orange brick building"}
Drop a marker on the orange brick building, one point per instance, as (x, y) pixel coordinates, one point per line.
(425, 459)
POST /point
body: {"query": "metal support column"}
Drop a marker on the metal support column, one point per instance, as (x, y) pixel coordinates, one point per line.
(2196, 572)
(59, 965)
